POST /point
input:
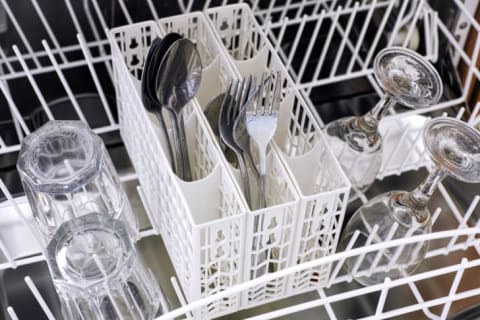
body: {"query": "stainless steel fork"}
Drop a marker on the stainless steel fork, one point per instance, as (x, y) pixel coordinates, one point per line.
(240, 134)
(261, 123)
(228, 114)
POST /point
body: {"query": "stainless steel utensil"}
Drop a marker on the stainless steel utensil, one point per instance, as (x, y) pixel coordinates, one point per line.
(212, 113)
(228, 113)
(261, 123)
(240, 134)
(155, 55)
(177, 82)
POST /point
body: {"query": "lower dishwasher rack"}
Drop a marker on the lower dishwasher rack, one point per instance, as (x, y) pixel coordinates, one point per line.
(444, 284)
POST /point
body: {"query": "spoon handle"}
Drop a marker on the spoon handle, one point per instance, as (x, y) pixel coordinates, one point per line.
(165, 139)
(178, 153)
(187, 172)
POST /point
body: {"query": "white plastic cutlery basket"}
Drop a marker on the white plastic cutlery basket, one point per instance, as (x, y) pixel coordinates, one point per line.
(322, 186)
(292, 229)
(201, 222)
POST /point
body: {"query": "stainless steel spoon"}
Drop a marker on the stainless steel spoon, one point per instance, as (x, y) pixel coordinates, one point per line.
(177, 82)
(212, 112)
(157, 51)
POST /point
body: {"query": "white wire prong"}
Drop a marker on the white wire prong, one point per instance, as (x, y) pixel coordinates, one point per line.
(64, 82)
(38, 296)
(11, 313)
(383, 297)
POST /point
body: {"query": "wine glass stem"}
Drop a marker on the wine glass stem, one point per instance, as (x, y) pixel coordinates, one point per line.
(421, 194)
(371, 118)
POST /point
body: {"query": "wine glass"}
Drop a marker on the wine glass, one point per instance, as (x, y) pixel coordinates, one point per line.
(454, 148)
(406, 78)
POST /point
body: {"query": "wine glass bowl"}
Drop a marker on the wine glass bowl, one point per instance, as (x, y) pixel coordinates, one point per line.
(408, 77)
(383, 218)
(359, 151)
(454, 145)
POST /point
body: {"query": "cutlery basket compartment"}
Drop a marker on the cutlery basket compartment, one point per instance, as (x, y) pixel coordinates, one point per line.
(271, 230)
(306, 190)
(202, 222)
(321, 183)
(216, 69)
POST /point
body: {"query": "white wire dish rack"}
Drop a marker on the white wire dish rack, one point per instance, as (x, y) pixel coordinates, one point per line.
(197, 266)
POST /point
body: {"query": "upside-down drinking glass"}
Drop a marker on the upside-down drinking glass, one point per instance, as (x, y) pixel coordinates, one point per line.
(66, 172)
(97, 273)
(454, 147)
(406, 78)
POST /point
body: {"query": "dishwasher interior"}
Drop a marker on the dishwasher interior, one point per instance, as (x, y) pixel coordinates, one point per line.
(56, 63)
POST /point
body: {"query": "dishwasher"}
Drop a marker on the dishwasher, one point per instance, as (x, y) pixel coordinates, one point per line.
(70, 60)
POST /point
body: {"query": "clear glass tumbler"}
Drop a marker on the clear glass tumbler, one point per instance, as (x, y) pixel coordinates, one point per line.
(97, 273)
(66, 172)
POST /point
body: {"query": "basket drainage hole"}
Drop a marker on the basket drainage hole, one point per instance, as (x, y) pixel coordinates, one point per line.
(133, 43)
(224, 25)
(220, 236)
(273, 223)
(134, 60)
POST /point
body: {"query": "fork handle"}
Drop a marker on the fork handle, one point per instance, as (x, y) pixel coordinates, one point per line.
(262, 163)
(244, 174)
(250, 161)
(261, 203)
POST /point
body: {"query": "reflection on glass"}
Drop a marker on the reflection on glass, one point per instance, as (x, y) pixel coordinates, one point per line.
(454, 147)
(406, 78)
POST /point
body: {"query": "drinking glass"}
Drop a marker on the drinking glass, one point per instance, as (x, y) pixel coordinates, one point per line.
(454, 148)
(97, 273)
(406, 78)
(66, 172)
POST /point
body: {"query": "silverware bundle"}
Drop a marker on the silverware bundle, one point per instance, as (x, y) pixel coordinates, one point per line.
(245, 112)
(248, 113)
(171, 78)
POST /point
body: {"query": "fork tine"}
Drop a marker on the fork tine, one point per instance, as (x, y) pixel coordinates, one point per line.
(276, 94)
(231, 104)
(258, 103)
(238, 99)
(225, 101)
(248, 88)
(268, 98)
(251, 105)
(251, 98)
